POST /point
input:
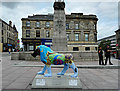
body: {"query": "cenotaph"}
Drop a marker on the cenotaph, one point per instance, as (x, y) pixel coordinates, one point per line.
(59, 41)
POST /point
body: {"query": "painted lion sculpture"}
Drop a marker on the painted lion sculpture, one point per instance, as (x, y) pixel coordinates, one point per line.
(49, 57)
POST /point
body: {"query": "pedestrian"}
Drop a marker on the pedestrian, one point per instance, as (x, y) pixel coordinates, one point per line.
(15, 50)
(107, 55)
(100, 54)
(9, 50)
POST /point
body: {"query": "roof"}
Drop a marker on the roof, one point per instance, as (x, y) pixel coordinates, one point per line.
(39, 17)
(117, 30)
(14, 27)
(68, 16)
(107, 37)
(5, 23)
(9, 25)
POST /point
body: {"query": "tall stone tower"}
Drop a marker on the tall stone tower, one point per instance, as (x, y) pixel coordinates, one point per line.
(59, 36)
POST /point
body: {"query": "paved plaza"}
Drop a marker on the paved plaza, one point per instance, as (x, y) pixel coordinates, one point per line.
(22, 77)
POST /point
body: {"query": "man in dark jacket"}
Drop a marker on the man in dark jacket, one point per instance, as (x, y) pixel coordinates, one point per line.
(107, 55)
(100, 54)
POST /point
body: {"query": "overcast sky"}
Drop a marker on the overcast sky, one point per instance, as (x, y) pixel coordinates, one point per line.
(107, 13)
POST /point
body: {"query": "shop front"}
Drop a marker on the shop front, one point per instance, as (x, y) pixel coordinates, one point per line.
(7, 47)
(32, 43)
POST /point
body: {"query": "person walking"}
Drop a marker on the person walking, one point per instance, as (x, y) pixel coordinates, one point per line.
(100, 54)
(9, 51)
(107, 55)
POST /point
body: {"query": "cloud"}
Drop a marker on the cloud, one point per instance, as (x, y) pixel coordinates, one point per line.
(119, 14)
(82, 7)
(106, 29)
(10, 5)
(108, 9)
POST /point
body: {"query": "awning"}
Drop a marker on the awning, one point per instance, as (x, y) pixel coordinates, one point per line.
(9, 44)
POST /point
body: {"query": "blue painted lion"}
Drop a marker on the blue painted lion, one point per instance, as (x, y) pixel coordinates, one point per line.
(49, 57)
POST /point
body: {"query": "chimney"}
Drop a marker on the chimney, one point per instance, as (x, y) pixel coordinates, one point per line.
(10, 23)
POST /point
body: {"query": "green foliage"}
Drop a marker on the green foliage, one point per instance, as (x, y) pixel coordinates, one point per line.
(104, 44)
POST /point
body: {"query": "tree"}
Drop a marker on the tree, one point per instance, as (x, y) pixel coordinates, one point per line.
(104, 44)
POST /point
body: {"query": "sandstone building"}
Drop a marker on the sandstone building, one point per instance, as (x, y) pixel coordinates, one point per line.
(9, 36)
(81, 31)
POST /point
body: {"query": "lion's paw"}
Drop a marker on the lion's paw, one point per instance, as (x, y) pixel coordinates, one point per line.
(40, 73)
(48, 75)
(60, 73)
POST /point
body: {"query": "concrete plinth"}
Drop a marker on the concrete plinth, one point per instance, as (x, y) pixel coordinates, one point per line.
(56, 81)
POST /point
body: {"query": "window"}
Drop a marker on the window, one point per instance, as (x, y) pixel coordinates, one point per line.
(76, 26)
(2, 25)
(31, 47)
(47, 24)
(28, 23)
(75, 49)
(2, 39)
(4, 48)
(47, 33)
(9, 28)
(96, 48)
(2, 32)
(95, 36)
(27, 33)
(86, 37)
(94, 26)
(37, 33)
(87, 48)
(76, 37)
(67, 37)
(37, 24)
(67, 25)
(8, 35)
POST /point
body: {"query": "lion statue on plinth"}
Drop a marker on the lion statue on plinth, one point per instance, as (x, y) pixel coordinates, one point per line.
(49, 57)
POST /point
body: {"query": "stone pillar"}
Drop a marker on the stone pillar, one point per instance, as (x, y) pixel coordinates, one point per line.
(91, 36)
(72, 36)
(82, 35)
(59, 28)
(27, 47)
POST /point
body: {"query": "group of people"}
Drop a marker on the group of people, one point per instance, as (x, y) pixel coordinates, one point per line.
(107, 55)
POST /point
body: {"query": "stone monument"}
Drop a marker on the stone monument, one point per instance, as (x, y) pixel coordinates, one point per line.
(59, 36)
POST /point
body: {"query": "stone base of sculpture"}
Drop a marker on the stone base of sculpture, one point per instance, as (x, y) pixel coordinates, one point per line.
(56, 81)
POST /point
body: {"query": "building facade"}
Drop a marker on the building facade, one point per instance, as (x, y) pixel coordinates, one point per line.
(118, 42)
(9, 36)
(1, 44)
(81, 31)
